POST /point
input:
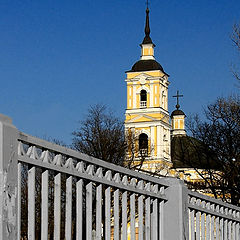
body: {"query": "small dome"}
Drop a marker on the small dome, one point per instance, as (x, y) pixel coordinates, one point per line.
(146, 65)
(177, 112)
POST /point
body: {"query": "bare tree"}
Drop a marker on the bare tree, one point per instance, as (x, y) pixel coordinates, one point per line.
(101, 135)
(236, 40)
(214, 147)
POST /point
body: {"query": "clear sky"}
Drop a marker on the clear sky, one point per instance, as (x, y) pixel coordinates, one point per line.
(58, 57)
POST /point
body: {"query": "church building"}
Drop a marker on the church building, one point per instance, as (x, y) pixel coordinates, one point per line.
(147, 122)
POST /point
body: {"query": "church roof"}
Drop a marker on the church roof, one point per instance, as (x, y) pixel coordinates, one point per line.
(146, 65)
(188, 152)
(177, 112)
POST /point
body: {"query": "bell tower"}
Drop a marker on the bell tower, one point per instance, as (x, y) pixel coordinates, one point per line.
(147, 118)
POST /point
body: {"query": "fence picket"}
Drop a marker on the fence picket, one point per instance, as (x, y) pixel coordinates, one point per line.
(79, 207)
(108, 213)
(124, 216)
(226, 226)
(132, 216)
(31, 203)
(192, 224)
(19, 201)
(208, 221)
(148, 218)
(116, 214)
(89, 211)
(99, 212)
(229, 229)
(68, 218)
(57, 206)
(203, 217)
(44, 207)
(212, 226)
(238, 230)
(198, 216)
(217, 224)
(221, 225)
(140, 217)
(154, 223)
(238, 226)
(161, 220)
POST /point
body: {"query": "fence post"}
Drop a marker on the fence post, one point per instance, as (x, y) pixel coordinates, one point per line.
(175, 219)
(8, 179)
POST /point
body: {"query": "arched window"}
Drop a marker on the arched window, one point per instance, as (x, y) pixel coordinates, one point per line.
(143, 98)
(143, 143)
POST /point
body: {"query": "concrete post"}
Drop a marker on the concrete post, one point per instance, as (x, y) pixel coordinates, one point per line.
(175, 219)
(8, 179)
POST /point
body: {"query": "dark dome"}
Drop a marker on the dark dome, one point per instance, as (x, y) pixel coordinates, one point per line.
(146, 65)
(189, 152)
(177, 112)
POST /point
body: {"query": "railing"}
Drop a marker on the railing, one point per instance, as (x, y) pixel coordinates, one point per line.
(143, 152)
(99, 181)
(212, 219)
(52, 192)
(143, 104)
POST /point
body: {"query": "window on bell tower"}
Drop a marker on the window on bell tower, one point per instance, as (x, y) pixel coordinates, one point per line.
(143, 98)
(143, 144)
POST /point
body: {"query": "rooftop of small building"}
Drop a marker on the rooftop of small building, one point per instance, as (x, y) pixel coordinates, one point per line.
(189, 152)
(177, 112)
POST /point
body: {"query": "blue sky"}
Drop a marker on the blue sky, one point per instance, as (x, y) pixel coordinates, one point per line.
(59, 57)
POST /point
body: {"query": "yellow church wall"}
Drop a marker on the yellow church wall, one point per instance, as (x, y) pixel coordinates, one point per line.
(181, 124)
(155, 141)
(151, 51)
(138, 102)
(178, 122)
(146, 51)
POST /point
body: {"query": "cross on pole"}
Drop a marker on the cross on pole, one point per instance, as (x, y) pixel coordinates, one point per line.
(178, 96)
(147, 3)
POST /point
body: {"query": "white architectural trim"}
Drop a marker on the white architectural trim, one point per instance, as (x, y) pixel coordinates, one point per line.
(138, 132)
(152, 130)
(147, 57)
(147, 124)
(147, 110)
(158, 141)
(142, 115)
(142, 88)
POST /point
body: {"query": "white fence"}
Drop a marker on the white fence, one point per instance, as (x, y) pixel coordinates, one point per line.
(52, 192)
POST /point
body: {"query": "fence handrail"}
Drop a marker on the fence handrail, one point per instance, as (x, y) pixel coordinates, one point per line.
(92, 177)
(43, 144)
(212, 200)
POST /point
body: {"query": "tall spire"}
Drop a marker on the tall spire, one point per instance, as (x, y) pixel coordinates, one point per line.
(147, 38)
